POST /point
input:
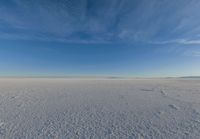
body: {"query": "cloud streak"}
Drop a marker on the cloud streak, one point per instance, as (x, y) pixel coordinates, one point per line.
(177, 41)
(98, 21)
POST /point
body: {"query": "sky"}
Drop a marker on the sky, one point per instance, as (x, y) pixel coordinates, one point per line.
(132, 38)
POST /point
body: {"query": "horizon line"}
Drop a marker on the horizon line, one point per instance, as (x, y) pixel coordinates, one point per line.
(95, 76)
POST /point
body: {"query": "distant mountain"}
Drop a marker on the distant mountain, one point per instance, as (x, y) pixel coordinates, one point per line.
(193, 77)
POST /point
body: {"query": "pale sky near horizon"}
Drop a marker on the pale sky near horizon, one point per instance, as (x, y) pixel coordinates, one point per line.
(142, 38)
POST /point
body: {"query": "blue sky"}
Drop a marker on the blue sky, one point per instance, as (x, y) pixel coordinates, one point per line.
(100, 37)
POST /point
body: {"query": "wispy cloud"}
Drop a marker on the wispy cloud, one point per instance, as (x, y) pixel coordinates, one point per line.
(195, 42)
(101, 20)
(192, 52)
(177, 41)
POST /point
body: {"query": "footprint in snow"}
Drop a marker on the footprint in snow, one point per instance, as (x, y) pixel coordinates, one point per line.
(173, 106)
(147, 90)
(159, 114)
(163, 93)
(12, 97)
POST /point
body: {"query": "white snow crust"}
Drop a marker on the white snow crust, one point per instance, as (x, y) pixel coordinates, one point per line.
(99, 108)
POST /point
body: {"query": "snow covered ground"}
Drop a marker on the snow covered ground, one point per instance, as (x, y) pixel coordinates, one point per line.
(99, 108)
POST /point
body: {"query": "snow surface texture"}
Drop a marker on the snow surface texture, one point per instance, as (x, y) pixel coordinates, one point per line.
(99, 109)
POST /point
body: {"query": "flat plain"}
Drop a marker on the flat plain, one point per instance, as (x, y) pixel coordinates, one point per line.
(39, 108)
